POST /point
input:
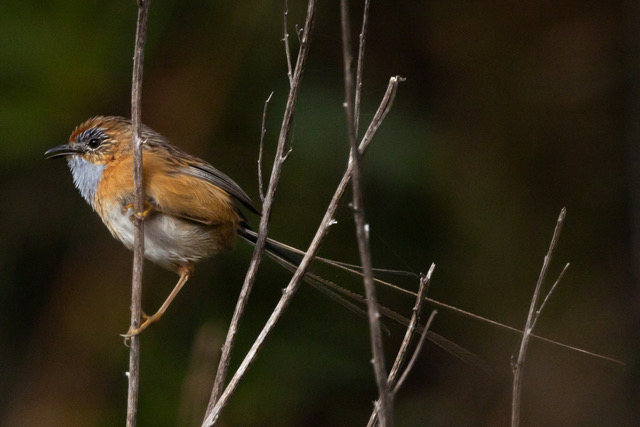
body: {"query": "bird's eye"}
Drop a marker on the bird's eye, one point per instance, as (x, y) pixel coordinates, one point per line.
(94, 143)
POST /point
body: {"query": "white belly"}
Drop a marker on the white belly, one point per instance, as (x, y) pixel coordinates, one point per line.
(168, 241)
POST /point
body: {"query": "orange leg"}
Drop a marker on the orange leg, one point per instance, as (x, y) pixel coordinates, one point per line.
(185, 272)
(148, 210)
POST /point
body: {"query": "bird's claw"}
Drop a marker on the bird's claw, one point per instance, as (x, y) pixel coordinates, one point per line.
(146, 322)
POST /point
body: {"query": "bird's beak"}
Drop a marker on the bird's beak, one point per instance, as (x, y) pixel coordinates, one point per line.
(63, 150)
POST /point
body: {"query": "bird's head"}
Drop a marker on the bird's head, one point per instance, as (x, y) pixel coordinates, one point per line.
(97, 141)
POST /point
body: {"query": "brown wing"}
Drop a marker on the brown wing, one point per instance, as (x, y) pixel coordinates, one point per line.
(188, 196)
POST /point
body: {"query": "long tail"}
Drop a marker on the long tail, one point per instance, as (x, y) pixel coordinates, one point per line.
(290, 258)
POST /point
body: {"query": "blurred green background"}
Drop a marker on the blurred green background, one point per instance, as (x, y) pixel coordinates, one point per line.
(509, 113)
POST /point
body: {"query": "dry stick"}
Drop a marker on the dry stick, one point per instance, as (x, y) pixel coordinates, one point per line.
(263, 130)
(414, 357)
(546, 298)
(363, 39)
(423, 289)
(425, 280)
(362, 229)
(323, 228)
(138, 238)
(532, 317)
(285, 39)
(250, 277)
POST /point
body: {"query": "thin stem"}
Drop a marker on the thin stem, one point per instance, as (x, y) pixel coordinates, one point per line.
(546, 298)
(285, 39)
(385, 413)
(263, 130)
(423, 289)
(518, 366)
(250, 277)
(425, 280)
(138, 239)
(363, 39)
(414, 357)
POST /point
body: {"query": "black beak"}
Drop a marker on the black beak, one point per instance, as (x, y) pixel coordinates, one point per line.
(63, 150)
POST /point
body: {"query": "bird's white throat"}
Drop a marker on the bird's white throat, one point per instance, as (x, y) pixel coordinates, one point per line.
(86, 177)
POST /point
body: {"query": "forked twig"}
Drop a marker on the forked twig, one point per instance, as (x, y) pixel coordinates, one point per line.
(385, 412)
(423, 289)
(546, 298)
(425, 280)
(138, 238)
(532, 317)
(263, 130)
(414, 357)
(218, 398)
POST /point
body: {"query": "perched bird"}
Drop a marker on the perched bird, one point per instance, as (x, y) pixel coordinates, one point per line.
(191, 208)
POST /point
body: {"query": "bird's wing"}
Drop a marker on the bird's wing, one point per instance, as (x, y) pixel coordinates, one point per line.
(176, 189)
(212, 175)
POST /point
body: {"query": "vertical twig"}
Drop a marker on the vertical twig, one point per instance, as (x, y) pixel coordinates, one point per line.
(385, 413)
(138, 184)
(263, 130)
(363, 39)
(532, 317)
(285, 39)
(250, 277)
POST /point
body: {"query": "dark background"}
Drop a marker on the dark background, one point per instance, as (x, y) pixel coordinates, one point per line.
(510, 111)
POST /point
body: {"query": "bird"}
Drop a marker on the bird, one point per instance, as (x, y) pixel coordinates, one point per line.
(191, 209)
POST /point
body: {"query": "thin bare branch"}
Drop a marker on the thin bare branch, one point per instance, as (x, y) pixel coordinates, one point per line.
(285, 39)
(138, 239)
(423, 289)
(381, 112)
(363, 39)
(216, 403)
(385, 412)
(414, 357)
(518, 366)
(546, 298)
(425, 280)
(263, 130)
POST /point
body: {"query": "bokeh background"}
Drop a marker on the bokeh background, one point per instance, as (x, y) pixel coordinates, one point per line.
(510, 111)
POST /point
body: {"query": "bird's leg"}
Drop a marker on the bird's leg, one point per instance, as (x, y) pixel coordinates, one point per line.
(148, 207)
(185, 272)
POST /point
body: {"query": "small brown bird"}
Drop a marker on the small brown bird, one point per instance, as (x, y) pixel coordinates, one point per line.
(190, 206)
